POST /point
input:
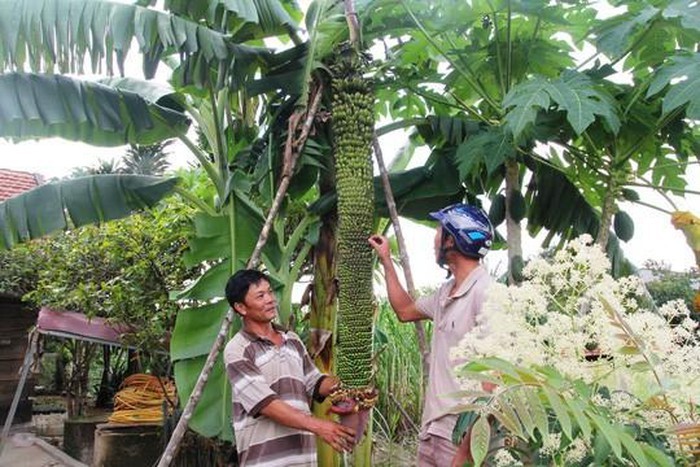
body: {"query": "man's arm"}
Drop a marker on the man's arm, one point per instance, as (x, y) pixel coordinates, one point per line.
(338, 436)
(252, 391)
(403, 304)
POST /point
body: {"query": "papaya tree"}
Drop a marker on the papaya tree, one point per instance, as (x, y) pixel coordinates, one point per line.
(213, 86)
(504, 84)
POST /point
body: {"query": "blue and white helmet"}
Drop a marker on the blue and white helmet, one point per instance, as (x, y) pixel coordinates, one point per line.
(469, 226)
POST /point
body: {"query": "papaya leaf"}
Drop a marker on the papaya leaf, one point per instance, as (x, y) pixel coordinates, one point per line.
(526, 100)
(686, 70)
(616, 34)
(577, 95)
(688, 12)
(492, 147)
(573, 93)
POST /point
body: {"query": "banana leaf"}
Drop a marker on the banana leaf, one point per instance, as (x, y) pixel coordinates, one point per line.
(43, 106)
(72, 203)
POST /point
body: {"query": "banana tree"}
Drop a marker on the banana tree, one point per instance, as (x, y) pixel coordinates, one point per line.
(205, 45)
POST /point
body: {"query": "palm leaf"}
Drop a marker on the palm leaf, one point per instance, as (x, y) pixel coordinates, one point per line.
(685, 69)
(42, 106)
(60, 205)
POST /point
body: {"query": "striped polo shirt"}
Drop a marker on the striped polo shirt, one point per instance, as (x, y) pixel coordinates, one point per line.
(261, 372)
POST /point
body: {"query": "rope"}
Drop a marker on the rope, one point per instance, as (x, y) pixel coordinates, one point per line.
(141, 400)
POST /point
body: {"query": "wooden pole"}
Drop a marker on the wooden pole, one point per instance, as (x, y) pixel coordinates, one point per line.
(28, 360)
(403, 252)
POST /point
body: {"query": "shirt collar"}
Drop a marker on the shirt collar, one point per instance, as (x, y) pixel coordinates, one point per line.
(251, 336)
(468, 283)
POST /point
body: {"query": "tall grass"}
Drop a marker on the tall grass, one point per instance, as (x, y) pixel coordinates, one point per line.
(398, 377)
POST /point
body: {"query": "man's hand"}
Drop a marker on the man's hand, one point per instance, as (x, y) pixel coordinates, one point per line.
(341, 438)
(328, 385)
(400, 300)
(464, 452)
(381, 246)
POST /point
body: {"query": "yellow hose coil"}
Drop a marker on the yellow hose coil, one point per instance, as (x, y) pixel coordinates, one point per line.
(140, 400)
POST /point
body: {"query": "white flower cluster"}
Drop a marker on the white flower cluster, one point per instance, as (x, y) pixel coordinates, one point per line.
(503, 458)
(571, 314)
(576, 451)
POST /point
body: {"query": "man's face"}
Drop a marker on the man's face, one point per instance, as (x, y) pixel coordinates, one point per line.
(259, 304)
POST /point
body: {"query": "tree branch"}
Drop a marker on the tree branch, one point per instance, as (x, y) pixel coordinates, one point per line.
(292, 151)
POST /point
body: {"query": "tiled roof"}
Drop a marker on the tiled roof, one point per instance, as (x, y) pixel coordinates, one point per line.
(13, 182)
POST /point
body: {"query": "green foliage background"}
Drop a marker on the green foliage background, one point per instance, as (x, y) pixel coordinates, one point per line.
(122, 270)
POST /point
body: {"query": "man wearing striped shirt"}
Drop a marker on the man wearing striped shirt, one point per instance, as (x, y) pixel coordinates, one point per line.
(273, 381)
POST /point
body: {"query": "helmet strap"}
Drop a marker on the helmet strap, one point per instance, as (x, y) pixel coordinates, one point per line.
(442, 254)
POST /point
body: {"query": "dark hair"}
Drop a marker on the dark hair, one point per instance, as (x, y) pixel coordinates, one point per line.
(238, 284)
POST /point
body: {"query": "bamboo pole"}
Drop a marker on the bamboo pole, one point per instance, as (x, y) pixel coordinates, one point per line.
(403, 252)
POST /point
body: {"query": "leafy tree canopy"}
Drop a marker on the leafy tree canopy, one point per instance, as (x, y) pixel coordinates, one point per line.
(122, 270)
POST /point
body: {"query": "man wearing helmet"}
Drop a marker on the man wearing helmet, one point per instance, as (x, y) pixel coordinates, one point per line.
(463, 237)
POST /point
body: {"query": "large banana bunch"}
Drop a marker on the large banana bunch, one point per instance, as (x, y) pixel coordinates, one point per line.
(353, 127)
